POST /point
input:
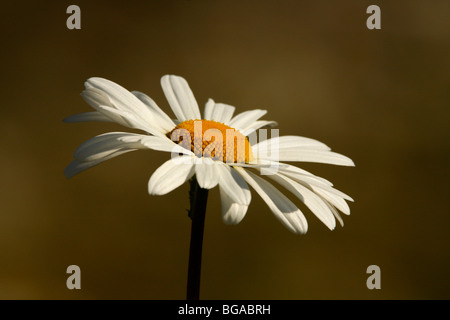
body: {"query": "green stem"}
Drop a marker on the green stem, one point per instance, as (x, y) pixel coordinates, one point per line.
(198, 199)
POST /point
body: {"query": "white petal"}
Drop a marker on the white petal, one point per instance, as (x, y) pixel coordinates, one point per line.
(332, 191)
(157, 143)
(233, 184)
(169, 176)
(121, 98)
(206, 173)
(294, 148)
(164, 121)
(76, 167)
(100, 101)
(232, 212)
(258, 125)
(285, 144)
(317, 156)
(96, 98)
(218, 112)
(87, 116)
(180, 98)
(103, 145)
(130, 120)
(306, 180)
(336, 214)
(207, 112)
(164, 144)
(258, 164)
(334, 199)
(297, 173)
(307, 155)
(311, 181)
(280, 205)
(309, 198)
(246, 119)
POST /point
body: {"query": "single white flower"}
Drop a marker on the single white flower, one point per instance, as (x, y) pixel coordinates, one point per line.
(213, 161)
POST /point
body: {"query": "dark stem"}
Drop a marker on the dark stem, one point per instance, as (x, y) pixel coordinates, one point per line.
(198, 197)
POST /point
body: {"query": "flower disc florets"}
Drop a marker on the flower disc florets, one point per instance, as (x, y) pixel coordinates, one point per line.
(207, 138)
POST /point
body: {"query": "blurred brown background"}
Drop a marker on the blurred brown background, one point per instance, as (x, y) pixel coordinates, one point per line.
(380, 97)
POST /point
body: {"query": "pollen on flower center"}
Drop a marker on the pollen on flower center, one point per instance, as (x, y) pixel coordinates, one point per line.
(207, 138)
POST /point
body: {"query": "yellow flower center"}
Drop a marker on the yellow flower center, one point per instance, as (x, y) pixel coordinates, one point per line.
(207, 138)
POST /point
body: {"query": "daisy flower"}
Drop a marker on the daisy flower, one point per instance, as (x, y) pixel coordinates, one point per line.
(218, 149)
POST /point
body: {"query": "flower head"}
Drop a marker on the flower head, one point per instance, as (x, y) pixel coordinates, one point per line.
(219, 149)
